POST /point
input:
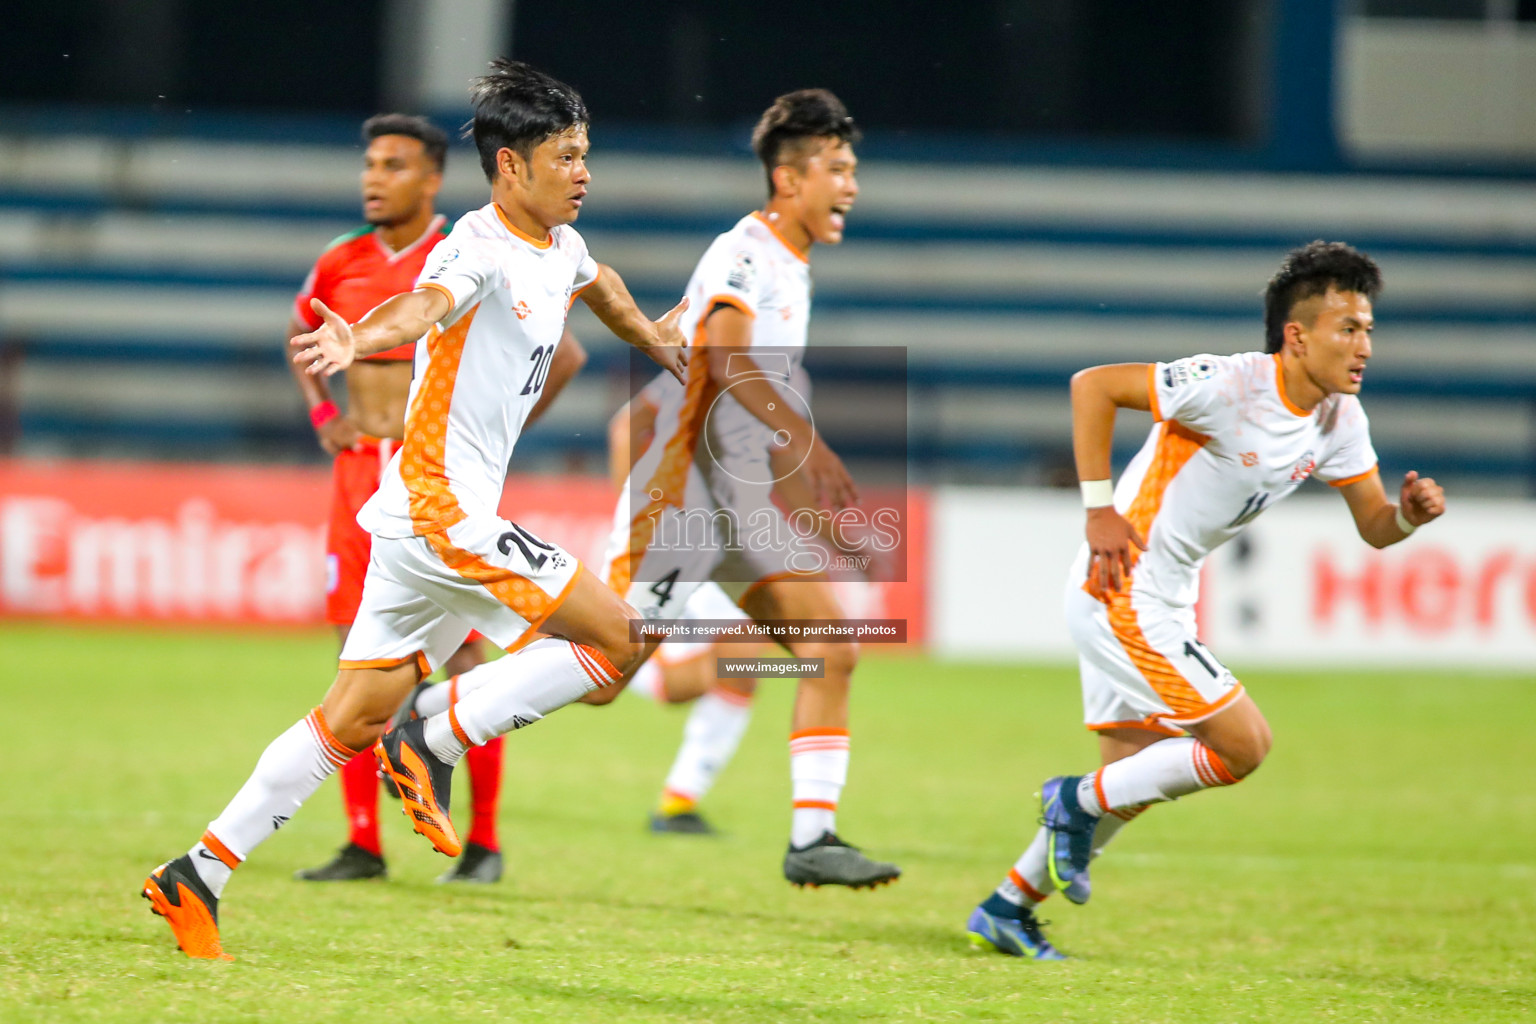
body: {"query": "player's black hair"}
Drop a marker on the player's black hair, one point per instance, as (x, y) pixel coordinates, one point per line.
(1309, 272)
(517, 106)
(432, 138)
(795, 118)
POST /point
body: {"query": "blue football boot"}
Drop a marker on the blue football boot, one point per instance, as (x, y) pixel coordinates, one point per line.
(1011, 930)
(1069, 837)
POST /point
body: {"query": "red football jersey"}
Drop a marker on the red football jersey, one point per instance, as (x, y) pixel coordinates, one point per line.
(357, 272)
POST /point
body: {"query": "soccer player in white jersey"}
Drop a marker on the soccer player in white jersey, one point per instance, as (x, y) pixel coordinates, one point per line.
(492, 303)
(681, 672)
(750, 307)
(1232, 436)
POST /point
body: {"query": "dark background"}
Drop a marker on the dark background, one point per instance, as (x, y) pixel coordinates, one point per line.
(1176, 69)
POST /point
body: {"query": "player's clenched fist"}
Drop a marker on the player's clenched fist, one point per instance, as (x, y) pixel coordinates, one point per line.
(329, 348)
(1422, 499)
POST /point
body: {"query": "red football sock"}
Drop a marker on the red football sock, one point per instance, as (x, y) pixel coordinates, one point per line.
(360, 796)
(484, 792)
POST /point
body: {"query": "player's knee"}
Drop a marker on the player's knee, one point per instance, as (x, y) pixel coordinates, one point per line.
(1246, 752)
(841, 659)
(837, 660)
(603, 694)
(623, 653)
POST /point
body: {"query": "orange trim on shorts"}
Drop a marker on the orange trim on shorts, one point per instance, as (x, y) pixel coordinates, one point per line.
(219, 850)
(1351, 479)
(1151, 724)
(514, 590)
(670, 481)
(1024, 887)
(1206, 711)
(1157, 410)
(815, 805)
(433, 506)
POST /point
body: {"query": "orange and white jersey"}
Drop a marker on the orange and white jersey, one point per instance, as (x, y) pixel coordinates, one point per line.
(480, 372)
(1227, 445)
(752, 268)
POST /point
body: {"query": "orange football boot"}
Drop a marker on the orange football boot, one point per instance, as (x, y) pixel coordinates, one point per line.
(176, 893)
(424, 783)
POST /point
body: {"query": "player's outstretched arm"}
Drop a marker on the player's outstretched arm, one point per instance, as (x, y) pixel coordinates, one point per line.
(1380, 522)
(729, 334)
(662, 340)
(333, 430)
(1097, 394)
(390, 324)
(569, 358)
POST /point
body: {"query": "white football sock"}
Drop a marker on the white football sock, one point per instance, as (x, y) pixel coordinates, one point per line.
(1030, 880)
(515, 691)
(288, 771)
(1166, 770)
(439, 697)
(818, 768)
(714, 730)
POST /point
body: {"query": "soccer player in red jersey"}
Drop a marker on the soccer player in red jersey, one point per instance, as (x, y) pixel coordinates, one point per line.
(402, 173)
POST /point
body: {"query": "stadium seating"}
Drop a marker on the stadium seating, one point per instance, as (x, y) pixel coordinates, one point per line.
(145, 283)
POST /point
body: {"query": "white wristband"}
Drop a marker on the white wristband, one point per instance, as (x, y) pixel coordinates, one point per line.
(1403, 524)
(1097, 493)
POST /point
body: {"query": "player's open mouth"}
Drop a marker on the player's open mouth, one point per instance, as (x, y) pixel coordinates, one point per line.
(1357, 374)
(838, 215)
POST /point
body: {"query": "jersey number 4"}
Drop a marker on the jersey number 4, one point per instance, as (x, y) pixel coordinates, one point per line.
(541, 358)
(525, 542)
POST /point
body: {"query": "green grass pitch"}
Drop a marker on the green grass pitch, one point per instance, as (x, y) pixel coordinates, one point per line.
(1380, 867)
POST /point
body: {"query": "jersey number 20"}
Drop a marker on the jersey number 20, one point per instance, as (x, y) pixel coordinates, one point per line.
(541, 358)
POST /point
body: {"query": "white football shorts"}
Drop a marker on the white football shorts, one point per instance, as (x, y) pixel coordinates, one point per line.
(1142, 663)
(422, 595)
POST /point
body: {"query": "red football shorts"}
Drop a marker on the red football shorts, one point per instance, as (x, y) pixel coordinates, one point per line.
(354, 478)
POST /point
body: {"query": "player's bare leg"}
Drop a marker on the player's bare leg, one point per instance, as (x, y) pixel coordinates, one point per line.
(818, 742)
(186, 891)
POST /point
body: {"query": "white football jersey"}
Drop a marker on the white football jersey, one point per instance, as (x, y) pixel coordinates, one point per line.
(752, 268)
(480, 371)
(1228, 444)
